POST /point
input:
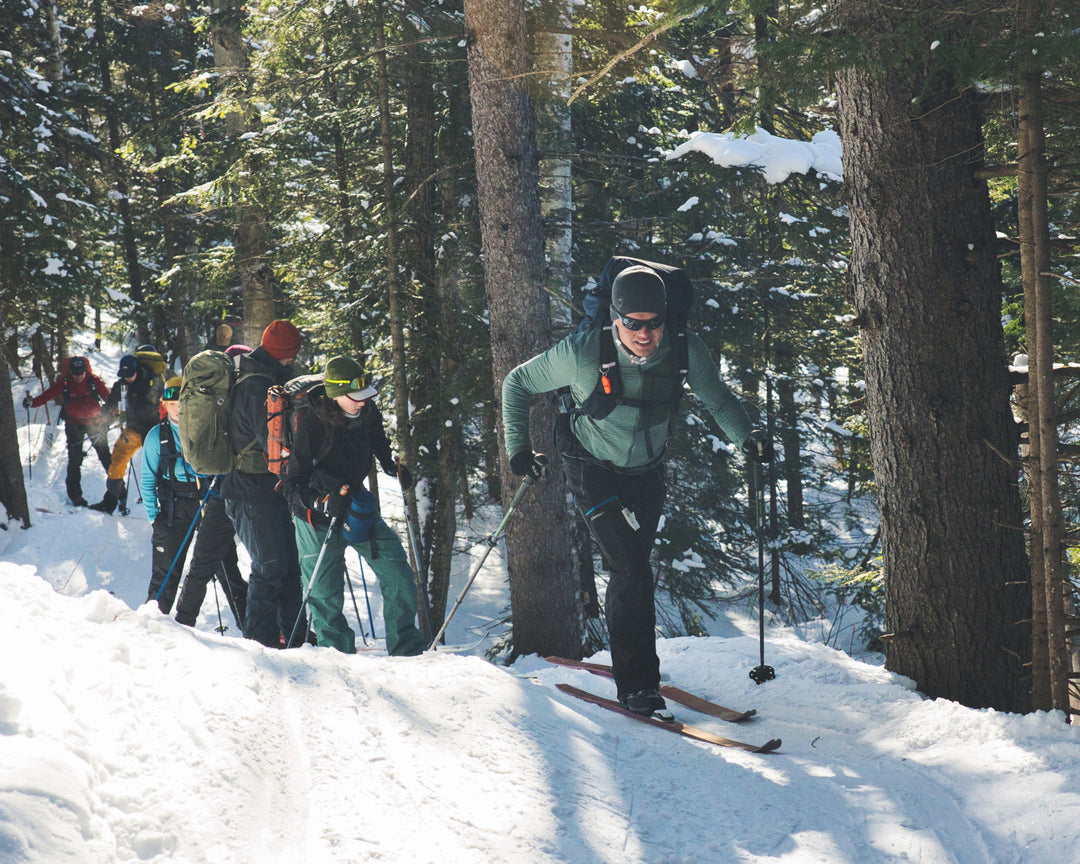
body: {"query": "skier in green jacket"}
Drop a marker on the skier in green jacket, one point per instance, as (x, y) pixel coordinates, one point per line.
(613, 452)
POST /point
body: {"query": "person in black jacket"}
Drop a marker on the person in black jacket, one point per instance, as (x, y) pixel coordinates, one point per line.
(257, 509)
(137, 395)
(339, 434)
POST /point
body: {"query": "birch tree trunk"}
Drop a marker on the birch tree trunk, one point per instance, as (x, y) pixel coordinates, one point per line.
(927, 292)
(543, 594)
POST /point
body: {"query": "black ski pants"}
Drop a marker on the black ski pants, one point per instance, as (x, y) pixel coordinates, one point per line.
(97, 431)
(171, 536)
(623, 511)
(214, 555)
(274, 591)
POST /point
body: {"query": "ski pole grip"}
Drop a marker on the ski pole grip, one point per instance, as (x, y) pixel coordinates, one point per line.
(540, 459)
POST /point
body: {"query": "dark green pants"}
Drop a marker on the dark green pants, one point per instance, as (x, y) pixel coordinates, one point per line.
(327, 598)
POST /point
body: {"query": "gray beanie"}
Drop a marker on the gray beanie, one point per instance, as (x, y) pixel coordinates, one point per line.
(638, 289)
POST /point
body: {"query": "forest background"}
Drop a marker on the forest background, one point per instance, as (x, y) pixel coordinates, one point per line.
(176, 165)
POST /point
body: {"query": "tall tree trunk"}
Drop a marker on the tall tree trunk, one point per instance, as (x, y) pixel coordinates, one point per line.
(114, 165)
(429, 356)
(1038, 316)
(252, 239)
(452, 150)
(543, 595)
(12, 487)
(928, 296)
(553, 62)
(1041, 698)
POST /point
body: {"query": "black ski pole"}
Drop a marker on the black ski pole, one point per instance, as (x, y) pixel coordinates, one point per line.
(367, 601)
(356, 608)
(29, 445)
(221, 628)
(221, 576)
(761, 674)
(491, 540)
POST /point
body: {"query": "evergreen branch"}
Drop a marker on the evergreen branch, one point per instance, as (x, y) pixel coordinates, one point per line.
(622, 55)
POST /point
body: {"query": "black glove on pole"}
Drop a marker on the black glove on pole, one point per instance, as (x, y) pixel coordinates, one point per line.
(525, 463)
(493, 538)
(762, 673)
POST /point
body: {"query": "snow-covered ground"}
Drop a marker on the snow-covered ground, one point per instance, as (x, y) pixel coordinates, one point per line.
(125, 736)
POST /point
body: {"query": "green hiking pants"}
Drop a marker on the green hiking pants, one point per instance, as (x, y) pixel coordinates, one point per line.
(327, 598)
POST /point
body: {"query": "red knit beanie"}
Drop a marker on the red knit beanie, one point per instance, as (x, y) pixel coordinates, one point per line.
(281, 340)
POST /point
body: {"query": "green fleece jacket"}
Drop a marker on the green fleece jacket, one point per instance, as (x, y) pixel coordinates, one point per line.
(620, 438)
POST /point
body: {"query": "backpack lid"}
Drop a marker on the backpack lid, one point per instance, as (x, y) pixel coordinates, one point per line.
(678, 289)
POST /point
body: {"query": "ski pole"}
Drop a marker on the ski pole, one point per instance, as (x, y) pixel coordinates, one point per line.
(183, 543)
(356, 609)
(367, 601)
(761, 674)
(221, 576)
(421, 596)
(221, 628)
(30, 447)
(315, 573)
(491, 540)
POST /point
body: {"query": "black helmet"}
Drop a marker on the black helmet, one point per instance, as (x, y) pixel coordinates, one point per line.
(148, 347)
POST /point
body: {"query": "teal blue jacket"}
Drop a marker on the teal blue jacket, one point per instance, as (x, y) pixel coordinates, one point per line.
(621, 437)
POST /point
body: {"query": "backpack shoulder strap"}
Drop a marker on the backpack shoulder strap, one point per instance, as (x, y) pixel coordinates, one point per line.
(168, 454)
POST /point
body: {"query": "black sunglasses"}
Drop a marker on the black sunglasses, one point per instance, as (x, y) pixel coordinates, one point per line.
(654, 323)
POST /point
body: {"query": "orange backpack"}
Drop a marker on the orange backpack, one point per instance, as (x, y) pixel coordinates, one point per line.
(282, 419)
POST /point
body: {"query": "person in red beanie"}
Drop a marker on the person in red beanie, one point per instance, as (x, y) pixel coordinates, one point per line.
(282, 340)
(257, 509)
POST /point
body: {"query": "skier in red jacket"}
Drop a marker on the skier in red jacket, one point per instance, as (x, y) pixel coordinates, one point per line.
(81, 393)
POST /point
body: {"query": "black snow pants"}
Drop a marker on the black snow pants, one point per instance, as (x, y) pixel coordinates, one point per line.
(622, 511)
(214, 555)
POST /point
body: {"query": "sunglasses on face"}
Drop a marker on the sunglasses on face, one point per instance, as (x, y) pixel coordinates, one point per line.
(171, 394)
(654, 323)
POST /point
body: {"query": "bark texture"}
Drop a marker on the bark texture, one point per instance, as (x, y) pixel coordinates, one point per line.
(928, 294)
(543, 595)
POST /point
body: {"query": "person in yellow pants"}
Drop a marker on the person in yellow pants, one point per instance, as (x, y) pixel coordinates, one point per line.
(136, 396)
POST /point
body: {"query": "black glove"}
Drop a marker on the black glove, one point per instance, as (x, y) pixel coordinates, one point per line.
(333, 504)
(525, 463)
(28, 402)
(758, 447)
(403, 474)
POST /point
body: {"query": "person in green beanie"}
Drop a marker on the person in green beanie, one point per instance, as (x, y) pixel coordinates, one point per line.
(338, 435)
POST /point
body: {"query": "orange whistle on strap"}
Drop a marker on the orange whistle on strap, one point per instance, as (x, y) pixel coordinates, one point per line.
(606, 383)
